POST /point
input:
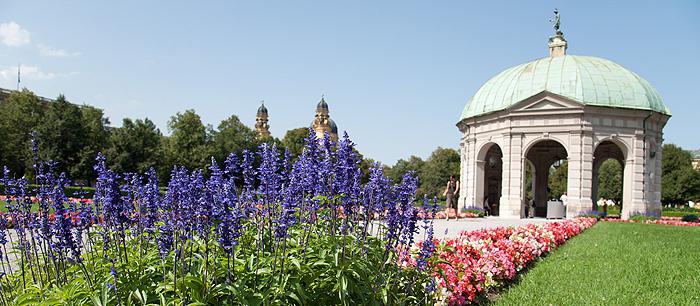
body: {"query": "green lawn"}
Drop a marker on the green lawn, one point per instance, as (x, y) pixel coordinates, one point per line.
(616, 264)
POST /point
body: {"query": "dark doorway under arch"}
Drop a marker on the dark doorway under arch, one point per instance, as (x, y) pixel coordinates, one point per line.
(493, 179)
(608, 175)
(547, 159)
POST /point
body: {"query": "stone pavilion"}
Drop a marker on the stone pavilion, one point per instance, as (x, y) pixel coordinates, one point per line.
(579, 109)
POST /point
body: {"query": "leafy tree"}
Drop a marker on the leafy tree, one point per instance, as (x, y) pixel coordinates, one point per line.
(95, 136)
(294, 141)
(233, 136)
(189, 142)
(61, 135)
(135, 147)
(610, 180)
(22, 111)
(396, 172)
(69, 134)
(557, 180)
(437, 169)
(679, 181)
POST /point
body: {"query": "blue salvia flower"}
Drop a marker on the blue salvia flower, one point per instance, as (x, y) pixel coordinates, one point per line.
(285, 169)
(232, 215)
(347, 175)
(231, 168)
(268, 175)
(305, 181)
(150, 201)
(326, 169)
(178, 201)
(377, 191)
(309, 167)
(248, 194)
(62, 227)
(291, 200)
(202, 204)
(406, 195)
(3, 235)
(166, 238)
(214, 191)
(428, 247)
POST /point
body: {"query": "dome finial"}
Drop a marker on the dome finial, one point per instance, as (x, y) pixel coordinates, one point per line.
(557, 43)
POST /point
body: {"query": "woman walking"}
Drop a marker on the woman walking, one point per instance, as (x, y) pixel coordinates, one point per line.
(449, 194)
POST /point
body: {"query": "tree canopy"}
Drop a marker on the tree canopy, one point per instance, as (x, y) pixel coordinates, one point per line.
(610, 181)
(436, 171)
(293, 140)
(679, 181)
(135, 147)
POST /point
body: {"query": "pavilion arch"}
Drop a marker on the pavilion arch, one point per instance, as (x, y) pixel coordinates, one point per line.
(534, 141)
(489, 176)
(612, 148)
(542, 153)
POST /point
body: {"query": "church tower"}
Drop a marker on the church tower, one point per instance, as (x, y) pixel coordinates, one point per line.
(323, 123)
(261, 125)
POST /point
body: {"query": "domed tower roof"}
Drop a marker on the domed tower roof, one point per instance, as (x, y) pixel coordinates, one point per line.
(262, 109)
(585, 79)
(322, 105)
(333, 126)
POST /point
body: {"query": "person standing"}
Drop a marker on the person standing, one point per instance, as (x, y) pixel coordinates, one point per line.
(450, 190)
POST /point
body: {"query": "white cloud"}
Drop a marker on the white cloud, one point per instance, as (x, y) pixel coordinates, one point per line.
(52, 52)
(12, 34)
(31, 73)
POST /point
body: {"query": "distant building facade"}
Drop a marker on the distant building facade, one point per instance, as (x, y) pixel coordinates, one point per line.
(5, 93)
(321, 124)
(261, 121)
(696, 159)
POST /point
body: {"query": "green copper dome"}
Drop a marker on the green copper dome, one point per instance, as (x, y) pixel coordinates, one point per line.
(585, 79)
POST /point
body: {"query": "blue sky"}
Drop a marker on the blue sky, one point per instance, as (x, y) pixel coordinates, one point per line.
(396, 74)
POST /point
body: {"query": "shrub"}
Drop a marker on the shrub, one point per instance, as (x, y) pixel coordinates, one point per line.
(690, 218)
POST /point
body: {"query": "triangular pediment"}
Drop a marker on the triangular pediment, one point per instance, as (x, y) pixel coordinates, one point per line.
(545, 104)
(546, 101)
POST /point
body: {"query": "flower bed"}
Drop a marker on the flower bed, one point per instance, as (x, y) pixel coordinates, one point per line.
(33, 199)
(468, 267)
(662, 221)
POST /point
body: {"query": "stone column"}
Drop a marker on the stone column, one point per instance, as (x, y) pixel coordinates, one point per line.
(635, 180)
(468, 166)
(580, 176)
(510, 201)
(464, 179)
(596, 181)
(655, 188)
